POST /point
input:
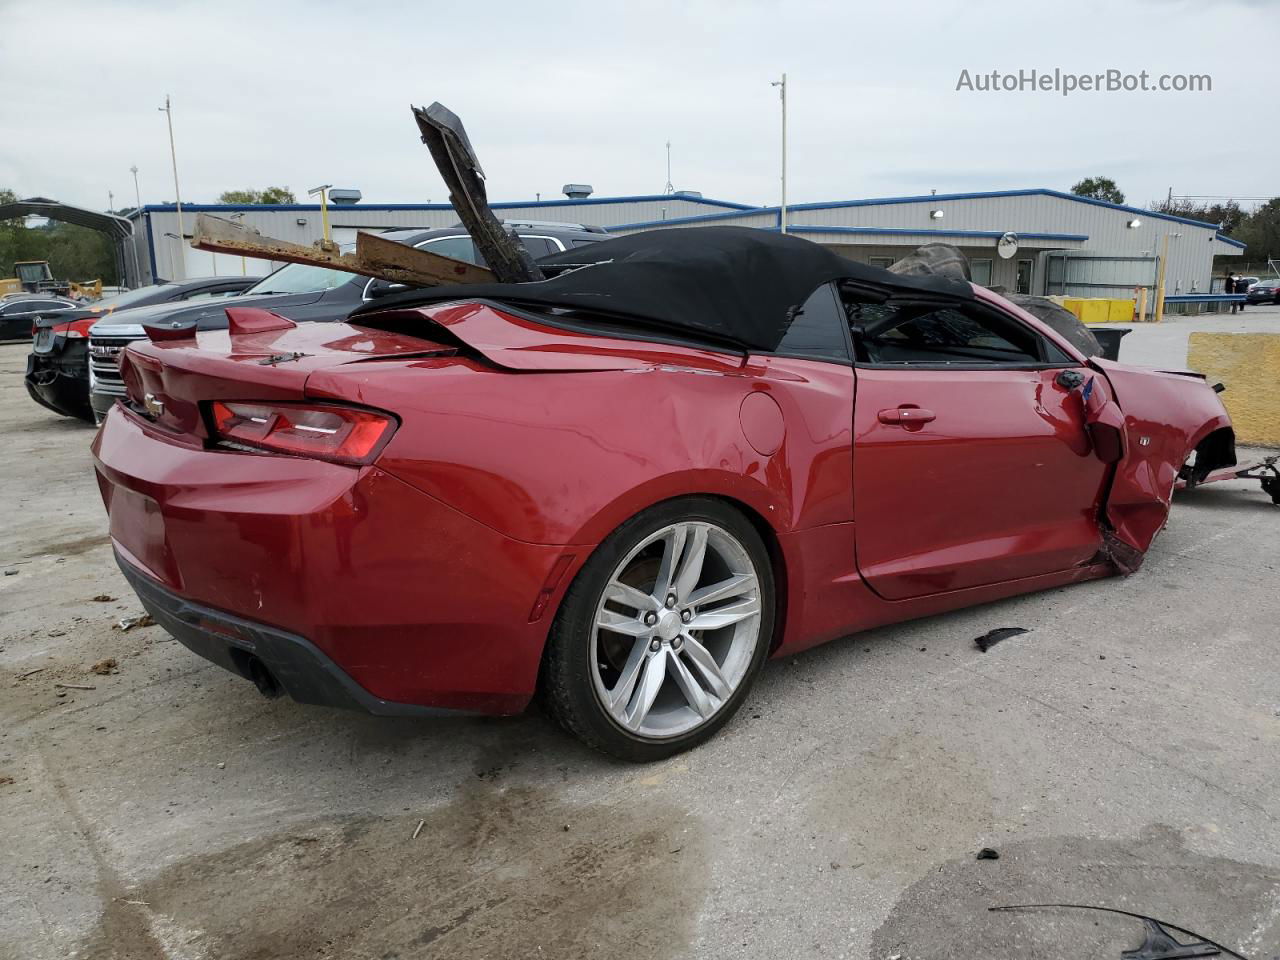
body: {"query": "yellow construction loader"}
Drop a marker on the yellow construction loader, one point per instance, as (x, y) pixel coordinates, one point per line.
(34, 276)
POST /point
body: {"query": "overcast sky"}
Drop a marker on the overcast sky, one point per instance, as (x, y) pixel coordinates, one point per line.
(299, 94)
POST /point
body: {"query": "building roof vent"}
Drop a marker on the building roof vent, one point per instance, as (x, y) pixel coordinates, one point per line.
(344, 196)
(691, 194)
(577, 191)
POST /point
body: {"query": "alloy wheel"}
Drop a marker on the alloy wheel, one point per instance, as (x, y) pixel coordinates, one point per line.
(676, 629)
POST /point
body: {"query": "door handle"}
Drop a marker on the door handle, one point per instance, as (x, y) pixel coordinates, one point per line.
(906, 416)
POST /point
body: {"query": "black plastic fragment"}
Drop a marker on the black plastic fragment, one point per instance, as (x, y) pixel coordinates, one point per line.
(992, 637)
(986, 853)
(1159, 944)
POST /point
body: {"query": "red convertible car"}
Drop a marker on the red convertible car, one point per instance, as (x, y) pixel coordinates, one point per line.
(624, 487)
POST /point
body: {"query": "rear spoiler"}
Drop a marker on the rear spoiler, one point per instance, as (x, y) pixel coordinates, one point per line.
(240, 321)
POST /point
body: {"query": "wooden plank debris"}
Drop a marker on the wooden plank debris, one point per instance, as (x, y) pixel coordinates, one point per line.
(456, 161)
(374, 256)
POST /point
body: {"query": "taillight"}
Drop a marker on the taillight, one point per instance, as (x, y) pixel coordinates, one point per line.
(340, 434)
(76, 329)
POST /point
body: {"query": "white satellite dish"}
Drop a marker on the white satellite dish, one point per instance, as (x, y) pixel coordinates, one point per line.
(1007, 245)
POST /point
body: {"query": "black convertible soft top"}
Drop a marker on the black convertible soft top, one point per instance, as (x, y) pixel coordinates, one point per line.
(730, 284)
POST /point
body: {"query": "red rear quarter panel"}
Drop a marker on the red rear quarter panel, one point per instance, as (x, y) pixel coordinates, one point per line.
(566, 457)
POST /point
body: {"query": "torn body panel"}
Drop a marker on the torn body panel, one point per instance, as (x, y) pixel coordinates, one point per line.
(1165, 417)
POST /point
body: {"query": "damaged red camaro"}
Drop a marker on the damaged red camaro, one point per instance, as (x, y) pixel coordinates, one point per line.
(626, 486)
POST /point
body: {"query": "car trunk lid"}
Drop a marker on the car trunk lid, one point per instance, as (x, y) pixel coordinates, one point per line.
(168, 380)
(170, 375)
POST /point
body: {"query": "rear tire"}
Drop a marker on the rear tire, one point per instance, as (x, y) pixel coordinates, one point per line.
(662, 632)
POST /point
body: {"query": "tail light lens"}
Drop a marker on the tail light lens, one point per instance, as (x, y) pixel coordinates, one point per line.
(339, 434)
(76, 329)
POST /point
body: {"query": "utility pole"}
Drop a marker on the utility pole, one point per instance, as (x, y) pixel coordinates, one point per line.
(1160, 275)
(670, 187)
(111, 202)
(177, 194)
(133, 241)
(782, 210)
(324, 209)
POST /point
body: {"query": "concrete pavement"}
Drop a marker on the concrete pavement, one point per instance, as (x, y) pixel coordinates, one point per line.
(1122, 753)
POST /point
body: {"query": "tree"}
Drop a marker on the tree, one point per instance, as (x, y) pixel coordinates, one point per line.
(267, 195)
(1099, 188)
(1260, 232)
(1228, 214)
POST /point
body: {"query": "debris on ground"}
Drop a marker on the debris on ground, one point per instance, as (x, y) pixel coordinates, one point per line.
(75, 686)
(142, 620)
(1158, 943)
(11, 572)
(987, 853)
(29, 673)
(5, 781)
(105, 667)
(103, 598)
(418, 829)
(992, 637)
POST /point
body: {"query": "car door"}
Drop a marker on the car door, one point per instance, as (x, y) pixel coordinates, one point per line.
(16, 319)
(972, 462)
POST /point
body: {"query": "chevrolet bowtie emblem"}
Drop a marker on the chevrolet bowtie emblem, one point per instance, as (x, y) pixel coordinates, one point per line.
(154, 407)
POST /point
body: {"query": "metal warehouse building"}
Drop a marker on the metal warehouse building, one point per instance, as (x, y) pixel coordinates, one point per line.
(1066, 244)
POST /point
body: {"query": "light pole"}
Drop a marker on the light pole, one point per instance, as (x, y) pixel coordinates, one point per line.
(133, 242)
(1160, 274)
(782, 210)
(324, 208)
(181, 256)
(173, 155)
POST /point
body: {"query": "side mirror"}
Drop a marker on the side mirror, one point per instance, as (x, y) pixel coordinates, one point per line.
(382, 288)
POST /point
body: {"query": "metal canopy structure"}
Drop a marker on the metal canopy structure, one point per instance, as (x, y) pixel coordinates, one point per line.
(118, 228)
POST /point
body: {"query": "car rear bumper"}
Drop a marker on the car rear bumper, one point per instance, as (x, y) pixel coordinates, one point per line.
(60, 381)
(332, 571)
(285, 662)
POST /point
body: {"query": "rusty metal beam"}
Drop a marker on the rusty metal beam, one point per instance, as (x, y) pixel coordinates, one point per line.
(374, 257)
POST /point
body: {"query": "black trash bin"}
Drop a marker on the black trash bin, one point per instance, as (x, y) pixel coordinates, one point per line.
(1109, 340)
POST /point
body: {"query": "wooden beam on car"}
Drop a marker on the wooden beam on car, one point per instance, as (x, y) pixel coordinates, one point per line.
(374, 257)
(456, 161)
(223, 236)
(386, 256)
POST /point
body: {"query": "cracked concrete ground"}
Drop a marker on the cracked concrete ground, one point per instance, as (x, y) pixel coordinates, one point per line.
(1123, 753)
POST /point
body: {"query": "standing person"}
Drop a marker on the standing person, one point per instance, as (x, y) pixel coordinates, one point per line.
(1232, 280)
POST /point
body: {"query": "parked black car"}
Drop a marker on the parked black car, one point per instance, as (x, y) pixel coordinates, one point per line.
(301, 292)
(1264, 291)
(58, 366)
(18, 313)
